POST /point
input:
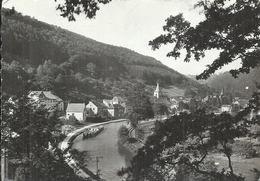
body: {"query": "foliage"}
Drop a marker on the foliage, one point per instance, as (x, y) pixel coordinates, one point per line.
(243, 149)
(166, 149)
(122, 134)
(140, 133)
(160, 109)
(70, 8)
(28, 129)
(231, 28)
(182, 105)
(254, 130)
(139, 106)
(72, 120)
(81, 157)
(242, 87)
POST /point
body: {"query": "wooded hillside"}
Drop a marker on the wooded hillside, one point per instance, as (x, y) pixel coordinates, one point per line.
(71, 65)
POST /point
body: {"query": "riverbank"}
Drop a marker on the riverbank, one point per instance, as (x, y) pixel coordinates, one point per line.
(67, 144)
(134, 146)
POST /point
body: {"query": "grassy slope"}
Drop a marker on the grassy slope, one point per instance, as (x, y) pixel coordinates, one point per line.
(249, 168)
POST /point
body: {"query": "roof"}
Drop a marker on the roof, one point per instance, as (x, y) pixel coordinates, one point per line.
(75, 107)
(226, 106)
(120, 99)
(47, 94)
(98, 104)
(116, 106)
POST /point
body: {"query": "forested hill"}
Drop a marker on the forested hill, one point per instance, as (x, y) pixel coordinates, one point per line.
(55, 59)
(243, 86)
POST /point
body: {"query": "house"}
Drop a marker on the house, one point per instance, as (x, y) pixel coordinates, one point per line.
(107, 102)
(76, 109)
(116, 100)
(48, 99)
(119, 100)
(242, 103)
(226, 108)
(116, 110)
(96, 107)
(177, 99)
(174, 106)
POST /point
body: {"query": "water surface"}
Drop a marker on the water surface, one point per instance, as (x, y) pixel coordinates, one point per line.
(105, 145)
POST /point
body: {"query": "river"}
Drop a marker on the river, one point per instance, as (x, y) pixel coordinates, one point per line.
(105, 145)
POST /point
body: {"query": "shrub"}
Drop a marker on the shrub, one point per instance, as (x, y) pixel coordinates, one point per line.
(132, 140)
(244, 149)
(122, 134)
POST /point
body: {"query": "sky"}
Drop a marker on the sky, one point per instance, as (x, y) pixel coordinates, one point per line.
(126, 23)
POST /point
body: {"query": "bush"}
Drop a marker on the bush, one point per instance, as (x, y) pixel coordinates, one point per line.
(122, 134)
(244, 149)
(132, 140)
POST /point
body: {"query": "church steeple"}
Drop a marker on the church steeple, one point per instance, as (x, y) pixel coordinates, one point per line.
(157, 92)
(222, 92)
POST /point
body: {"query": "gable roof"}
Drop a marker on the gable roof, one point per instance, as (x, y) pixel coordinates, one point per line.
(47, 94)
(75, 107)
(120, 99)
(98, 104)
(116, 106)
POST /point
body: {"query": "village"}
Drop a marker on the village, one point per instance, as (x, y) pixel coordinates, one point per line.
(116, 108)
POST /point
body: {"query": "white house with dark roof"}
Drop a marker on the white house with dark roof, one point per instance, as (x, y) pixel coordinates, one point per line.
(116, 110)
(76, 109)
(96, 107)
(48, 99)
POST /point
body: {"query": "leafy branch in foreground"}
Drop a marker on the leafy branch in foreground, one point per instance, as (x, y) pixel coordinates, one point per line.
(186, 140)
(70, 8)
(231, 28)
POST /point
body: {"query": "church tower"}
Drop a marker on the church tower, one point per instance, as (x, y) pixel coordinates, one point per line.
(157, 92)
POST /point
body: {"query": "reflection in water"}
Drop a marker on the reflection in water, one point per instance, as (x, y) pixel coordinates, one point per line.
(115, 156)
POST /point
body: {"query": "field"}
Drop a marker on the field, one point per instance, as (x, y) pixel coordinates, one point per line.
(172, 91)
(249, 168)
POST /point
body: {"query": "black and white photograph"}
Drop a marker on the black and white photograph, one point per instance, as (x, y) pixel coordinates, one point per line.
(130, 90)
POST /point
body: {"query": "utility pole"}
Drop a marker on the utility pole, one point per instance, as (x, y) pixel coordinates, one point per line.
(97, 160)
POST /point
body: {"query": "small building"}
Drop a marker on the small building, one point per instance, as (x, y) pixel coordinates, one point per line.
(48, 99)
(78, 110)
(116, 110)
(242, 103)
(96, 107)
(107, 102)
(117, 100)
(226, 108)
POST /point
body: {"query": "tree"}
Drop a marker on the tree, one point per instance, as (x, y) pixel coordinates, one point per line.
(91, 68)
(193, 105)
(122, 134)
(28, 129)
(160, 109)
(75, 7)
(139, 106)
(231, 28)
(168, 149)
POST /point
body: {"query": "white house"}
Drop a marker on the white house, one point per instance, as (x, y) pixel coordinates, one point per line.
(78, 110)
(116, 110)
(95, 106)
(226, 108)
